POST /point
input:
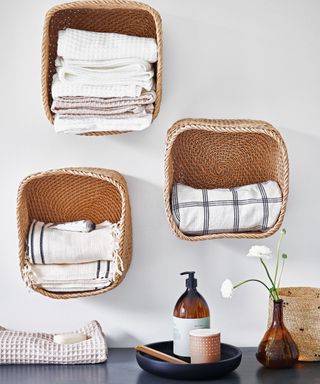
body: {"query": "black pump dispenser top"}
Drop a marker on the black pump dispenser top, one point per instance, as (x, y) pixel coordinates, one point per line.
(191, 282)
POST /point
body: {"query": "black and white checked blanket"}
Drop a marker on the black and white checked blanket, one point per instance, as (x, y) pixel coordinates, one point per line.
(254, 207)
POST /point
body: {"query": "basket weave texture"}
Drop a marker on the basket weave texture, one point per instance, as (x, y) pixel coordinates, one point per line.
(301, 315)
(116, 16)
(72, 194)
(205, 153)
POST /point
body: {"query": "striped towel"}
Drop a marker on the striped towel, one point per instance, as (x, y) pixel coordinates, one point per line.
(48, 245)
(254, 207)
(72, 277)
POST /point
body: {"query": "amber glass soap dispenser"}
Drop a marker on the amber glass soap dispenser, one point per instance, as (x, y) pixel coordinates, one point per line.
(190, 312)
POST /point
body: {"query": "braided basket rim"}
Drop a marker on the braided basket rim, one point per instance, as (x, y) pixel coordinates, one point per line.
(99, 4)
(108, 175)
(223, 126)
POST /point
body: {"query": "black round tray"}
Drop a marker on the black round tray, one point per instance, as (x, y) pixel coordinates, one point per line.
(230, 360)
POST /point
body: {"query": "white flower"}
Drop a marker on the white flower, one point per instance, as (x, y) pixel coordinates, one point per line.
(260, 251)
(227, 289)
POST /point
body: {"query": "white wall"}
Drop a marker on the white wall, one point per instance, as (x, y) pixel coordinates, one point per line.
(222, 58)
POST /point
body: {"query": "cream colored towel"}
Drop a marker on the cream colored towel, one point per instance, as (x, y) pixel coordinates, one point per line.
(87, 45)
(100, 124)
(47, 245)
(73, 277)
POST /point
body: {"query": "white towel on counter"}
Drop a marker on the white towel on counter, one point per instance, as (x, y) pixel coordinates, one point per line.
(117, 71)
(101, 124)
(87, 45)
(63, 88)
(254, 207)
(48, 245)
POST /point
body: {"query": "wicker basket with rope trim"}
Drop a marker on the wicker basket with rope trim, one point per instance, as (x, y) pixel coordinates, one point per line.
(117, 16)
(72, 194)
(205, 153)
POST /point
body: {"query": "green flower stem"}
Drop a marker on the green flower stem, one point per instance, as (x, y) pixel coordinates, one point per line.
(258, 281)
(278, 254)
(268, 274)
(282, 266)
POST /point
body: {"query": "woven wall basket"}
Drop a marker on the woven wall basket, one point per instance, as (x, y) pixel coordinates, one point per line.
(72, 194)
(222, 154)
(117, 16)
(301, 314)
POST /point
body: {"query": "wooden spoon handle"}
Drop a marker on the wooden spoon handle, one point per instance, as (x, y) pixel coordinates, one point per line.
(159, 355)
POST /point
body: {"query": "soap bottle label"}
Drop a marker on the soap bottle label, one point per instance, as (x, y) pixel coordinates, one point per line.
(181, 329)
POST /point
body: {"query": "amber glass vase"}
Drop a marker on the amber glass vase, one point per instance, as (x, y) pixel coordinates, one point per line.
(277, 348)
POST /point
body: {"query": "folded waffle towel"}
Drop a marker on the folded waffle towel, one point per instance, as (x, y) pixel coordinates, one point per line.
(111, 113)
(117, 71)
(100, 124)
(87, 45)
(254, 207)
(131, 89)
(48, 245)
(39, 348)
(61, 104)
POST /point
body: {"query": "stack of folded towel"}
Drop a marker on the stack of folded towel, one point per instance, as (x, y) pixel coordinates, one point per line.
(72, 257)
(103, 82)
(254, 207)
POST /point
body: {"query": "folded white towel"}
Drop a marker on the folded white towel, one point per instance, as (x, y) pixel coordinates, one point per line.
(63, 88)
(87, 45)
(254, 207)
(118, 71)
(100, 124)
(48, 245)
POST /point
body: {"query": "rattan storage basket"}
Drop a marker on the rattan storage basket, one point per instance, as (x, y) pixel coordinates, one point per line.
(73, 194)
(117, 16)
(301, 316)
(206, 153)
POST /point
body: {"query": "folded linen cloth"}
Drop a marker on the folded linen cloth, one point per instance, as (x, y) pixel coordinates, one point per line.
(86, 45)
(72, 277)
(117, 71)
(39, 348)
(112, 113)
(254, 207)
(62, 273)
(48, 245)
(74, 286)
(100, 124)
(63, 88)
(94, 103)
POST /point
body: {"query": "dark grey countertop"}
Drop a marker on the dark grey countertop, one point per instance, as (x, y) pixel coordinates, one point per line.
(122, 368)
